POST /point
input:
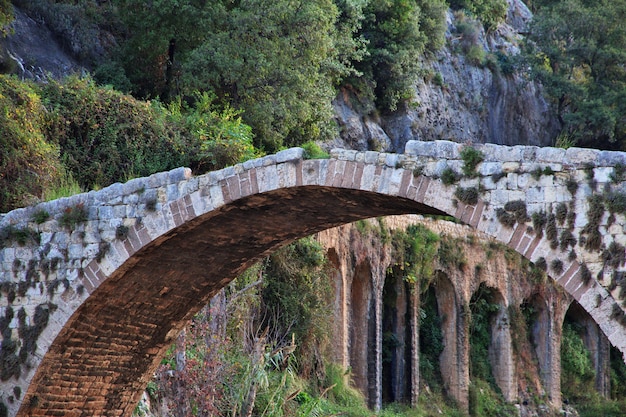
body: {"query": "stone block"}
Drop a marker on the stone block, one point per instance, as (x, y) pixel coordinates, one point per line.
(291, 154)
(581, 156)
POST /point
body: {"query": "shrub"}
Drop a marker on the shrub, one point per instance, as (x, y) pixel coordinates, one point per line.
(28, 163)
(539, 219)
(106, 136)
(577, 368)
(40, 216)
(505, 218)
(313, 151)
(449, 177)
(467, 195)
(490, 12)
(471, 158)
(221, 137)
(619, 173)
(572, 186)
(73, 215)
(557, 266)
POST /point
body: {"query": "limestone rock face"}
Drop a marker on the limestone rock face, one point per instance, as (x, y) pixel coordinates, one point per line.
(31, 51)
(461, 101)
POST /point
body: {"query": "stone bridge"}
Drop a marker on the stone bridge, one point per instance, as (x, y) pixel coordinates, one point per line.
(94, 288)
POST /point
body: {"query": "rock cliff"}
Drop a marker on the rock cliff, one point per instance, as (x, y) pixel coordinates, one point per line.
(465, 96)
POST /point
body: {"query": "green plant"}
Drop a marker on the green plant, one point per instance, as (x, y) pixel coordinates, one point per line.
(552, 231)
(577, 368)
(29, 163)
(313, 151)
(40, 216)
(467, 195)
(567, 239)
(490, 12)
(561, 213)
(151, 204)
(449, 177)
(438, 79)
(619, 173)
(476, 55)
(589, 169)
(20, 235)
(557, 266)
(539, 219)
(73, 215)
(471, 158)
(65, 186)
(615, 201)
(121, 232)
(414, 252)
(615, 255)
(505, 218)
(541, 263)
(591, 232)
(572, 186)
(451, 254)
(103, 249)
(585, 274)
(537, 173)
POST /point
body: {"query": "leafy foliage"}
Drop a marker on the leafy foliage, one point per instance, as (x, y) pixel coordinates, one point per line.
(395, 38)
(581, 46)
(414, 254)
(282, 77)
(490, 12)
(431, 340)
(28, 163)
(577, 371)
(106, 136)
(295, 297)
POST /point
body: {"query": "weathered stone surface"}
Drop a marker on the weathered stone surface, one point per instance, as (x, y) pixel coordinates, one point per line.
(120, 273)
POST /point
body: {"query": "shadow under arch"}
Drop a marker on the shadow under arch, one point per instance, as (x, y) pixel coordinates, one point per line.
(105, 354)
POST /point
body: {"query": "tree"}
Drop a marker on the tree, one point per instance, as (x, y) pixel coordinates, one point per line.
(579, 56)
(159, 34)
(398, 34)
(275, 60)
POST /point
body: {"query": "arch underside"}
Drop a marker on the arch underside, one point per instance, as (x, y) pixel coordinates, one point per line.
(105, 355)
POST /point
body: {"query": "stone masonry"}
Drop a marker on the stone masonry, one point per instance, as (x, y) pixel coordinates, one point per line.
(95, 287)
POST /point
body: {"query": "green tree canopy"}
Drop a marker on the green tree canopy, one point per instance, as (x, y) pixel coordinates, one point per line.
(276, 60)
(580, 56)
(398, 33)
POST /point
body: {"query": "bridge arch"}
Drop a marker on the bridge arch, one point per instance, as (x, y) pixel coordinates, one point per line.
(152, 251)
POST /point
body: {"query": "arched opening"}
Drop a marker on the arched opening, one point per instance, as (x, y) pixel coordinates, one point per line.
(491, 362)
(431, 341)
(363, 332)
(398, 301)
(585, 357)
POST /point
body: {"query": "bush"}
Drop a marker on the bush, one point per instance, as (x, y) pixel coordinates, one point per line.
(490, 12)
(221, 137)
(28, 163)
(106, 136)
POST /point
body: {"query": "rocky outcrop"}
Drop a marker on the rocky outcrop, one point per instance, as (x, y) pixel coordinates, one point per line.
(31, 51)
(462, 100)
